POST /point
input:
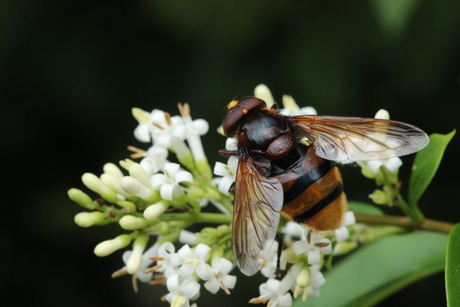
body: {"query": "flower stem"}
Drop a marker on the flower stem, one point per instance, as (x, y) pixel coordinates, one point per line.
(404, 221)
(411, 210)
(215, 218)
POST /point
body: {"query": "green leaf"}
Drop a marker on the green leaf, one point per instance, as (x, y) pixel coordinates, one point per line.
(381, 268)
(366, 208)
(394, 16)
(426, 164)
(453, 267)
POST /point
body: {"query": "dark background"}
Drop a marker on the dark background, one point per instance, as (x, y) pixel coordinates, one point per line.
(70, 72)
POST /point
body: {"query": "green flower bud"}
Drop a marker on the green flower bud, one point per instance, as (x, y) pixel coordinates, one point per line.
(303, 278)
(130, 222)
(379, 197)
(93, 183)
(87, 219)
(106, 248)
(82, 199)
(153, 212)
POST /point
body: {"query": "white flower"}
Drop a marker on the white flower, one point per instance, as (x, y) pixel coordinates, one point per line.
(341, 233)
(271, 262)
(216, 275)
(307, 281)
(313, 248)
(228, 173)
(158, 127)
(193, 259)
(194, 128)
(275, 292)
(391, 164)
(168, 183)
(155, 159)
(145, 262)
(168, 261)
(316, 280)
(293, 229)
(181, 290)
(291, 107)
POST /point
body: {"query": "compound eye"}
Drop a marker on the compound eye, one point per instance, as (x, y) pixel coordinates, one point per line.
(250, 103)
(229, 122)
(236, 110)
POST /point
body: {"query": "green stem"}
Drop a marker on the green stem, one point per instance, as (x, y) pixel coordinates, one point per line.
(215, 218)
(404, 221)
(411, 210)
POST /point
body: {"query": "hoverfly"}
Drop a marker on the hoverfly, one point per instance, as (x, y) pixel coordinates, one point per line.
(287, 165)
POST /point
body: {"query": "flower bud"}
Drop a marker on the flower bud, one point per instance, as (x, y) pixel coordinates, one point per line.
(130, 222)
(154, 211)
(263, 92)
(132, 186)
(140, 115)
(289, 255)
(303, 278)
(136, 171)
(95, 184)
(82, 199)
(379, 197)
(382, 114)
(135, 259)
(87, 219)
(113, 170)
(112, 182)
(105, 248)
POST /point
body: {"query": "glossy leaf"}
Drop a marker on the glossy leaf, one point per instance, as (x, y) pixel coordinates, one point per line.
(426, 164)
(361, 207)
(453, 267)
(379, 269)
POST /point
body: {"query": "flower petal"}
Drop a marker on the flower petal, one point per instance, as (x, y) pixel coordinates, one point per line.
(166, 191)
(183, 176)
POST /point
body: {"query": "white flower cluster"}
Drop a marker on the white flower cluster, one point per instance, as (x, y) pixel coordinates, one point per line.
(160, 199)
(307, 257)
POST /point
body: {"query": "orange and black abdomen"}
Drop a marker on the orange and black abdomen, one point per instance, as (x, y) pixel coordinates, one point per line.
(313, 193)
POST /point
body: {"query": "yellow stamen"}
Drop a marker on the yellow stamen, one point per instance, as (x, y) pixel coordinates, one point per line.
(262, 265)
(158, 282)
(153, 269)
(184, 109)
(157, 258)
(134, 281)
(158, 126)
(137, 152)
(168, 119)
(225, 287)
(258, 300)
(119, 273)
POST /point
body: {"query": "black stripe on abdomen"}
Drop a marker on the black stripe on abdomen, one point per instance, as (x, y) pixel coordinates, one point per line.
(306, 179)
(320, 205)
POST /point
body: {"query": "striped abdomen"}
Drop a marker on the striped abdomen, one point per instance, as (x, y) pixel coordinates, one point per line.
(313, 193)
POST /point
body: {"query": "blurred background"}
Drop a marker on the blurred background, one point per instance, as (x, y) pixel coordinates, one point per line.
(70, 72)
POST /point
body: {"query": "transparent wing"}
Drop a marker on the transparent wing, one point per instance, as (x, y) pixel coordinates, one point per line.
(258, 201)
(355, 139)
